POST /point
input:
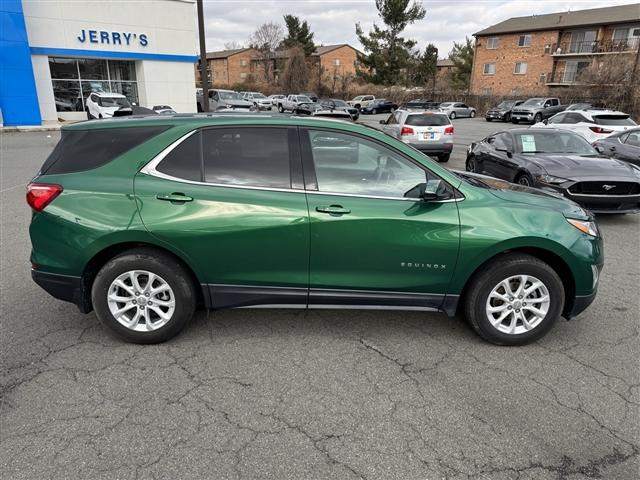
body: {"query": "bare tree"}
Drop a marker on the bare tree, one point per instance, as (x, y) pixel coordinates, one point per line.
(233, 45)
(265, 41)
(296, 72)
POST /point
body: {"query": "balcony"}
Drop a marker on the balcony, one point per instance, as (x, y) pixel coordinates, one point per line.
(598, 47)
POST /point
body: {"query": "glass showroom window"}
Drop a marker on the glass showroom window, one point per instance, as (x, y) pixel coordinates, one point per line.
(75, 79)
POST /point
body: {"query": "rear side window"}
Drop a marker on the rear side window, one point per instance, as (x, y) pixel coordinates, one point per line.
(81, 150)
(427, 120)
(184, 161)
(257, 157)
(613, 120)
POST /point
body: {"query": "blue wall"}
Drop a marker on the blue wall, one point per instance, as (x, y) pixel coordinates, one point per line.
(18, 96)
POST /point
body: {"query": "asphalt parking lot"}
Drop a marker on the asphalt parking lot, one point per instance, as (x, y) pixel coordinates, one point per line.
(281, 394)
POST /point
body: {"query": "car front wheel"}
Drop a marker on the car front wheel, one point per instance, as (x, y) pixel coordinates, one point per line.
(515, 300)
(537, 118)
(144, 296)
(472, 114)
(452, 115)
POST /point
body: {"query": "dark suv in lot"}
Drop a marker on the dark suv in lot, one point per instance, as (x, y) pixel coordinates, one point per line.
(146, 219)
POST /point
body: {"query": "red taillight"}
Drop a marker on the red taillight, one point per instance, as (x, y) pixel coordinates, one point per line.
(448, 130)
(407, 131)
(39, 195)
(600, 130)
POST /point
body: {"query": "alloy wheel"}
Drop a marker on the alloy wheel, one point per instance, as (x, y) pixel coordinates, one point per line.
(518, 304)
(524, 180)
(141, 301)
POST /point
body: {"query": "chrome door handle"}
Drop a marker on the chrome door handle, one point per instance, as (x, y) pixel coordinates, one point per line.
(333, 209)
(174, 197)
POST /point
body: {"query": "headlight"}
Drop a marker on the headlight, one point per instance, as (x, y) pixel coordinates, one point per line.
(550, 179)
(590, 228)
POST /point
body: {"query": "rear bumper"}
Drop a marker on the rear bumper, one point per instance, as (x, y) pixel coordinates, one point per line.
(63, 287)
(444, 148)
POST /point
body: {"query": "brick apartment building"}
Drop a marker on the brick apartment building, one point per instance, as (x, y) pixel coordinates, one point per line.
(544, 54)
(229, 67)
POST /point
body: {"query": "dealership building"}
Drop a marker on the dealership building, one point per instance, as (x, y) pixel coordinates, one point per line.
(53, 54)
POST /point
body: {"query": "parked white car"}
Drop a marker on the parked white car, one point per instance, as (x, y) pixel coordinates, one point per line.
(361, 101)
(103, 104)
(591, 124)
(260, 102)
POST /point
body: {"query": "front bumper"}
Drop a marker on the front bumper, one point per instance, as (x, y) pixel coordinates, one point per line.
(598, 203)
(495, 115)
(63, 287)
(580, 304)
(522, 117)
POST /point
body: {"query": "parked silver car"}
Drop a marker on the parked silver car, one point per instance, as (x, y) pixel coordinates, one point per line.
(429, 132)
(225, 100)
(457, 109)
(260, 102)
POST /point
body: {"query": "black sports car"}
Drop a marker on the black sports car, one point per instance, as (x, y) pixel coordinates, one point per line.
(559, 161)
(337, 104)
(502, 111)
(622, 145)
(380, 105)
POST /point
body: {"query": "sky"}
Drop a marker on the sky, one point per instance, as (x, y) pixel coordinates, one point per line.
(333, 21)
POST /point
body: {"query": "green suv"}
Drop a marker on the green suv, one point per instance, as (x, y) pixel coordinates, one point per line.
(144, 220)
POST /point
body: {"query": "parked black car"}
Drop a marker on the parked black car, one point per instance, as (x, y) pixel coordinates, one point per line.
(623, 145)
(559, 161)
(380, 105)
(503, 111)
(337, 104)
(420, 104)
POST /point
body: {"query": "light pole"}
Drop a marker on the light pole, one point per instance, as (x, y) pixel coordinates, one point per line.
(204, 78)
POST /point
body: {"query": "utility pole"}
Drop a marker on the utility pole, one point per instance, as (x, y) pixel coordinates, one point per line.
(204, 77)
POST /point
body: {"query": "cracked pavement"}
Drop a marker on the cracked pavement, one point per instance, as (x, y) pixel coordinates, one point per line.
(283, 394)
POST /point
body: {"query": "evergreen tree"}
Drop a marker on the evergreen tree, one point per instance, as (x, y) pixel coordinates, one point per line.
(425, 65)
(388, 57)
(299, 34)
(462, 58)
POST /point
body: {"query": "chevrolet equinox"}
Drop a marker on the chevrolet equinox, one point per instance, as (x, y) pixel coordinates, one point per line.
(144, 220)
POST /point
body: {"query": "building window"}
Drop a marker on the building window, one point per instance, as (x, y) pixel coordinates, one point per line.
(336, 62)
(492, 43)
(524, 40)
(243, 63)
(486, 91)
(547, 49)
(75, 79)
(243, 75)
(489, 69)
(543, 78)
(520, 68)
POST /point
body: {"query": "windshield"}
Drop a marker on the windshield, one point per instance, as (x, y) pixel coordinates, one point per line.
(229, 95)
(506, 104)
(534, 102)
(258, 95)
(427, 120)
(446, 104)
(553, 142)
(358, 98)
(613, 120)
(340, 103)
(114, 102)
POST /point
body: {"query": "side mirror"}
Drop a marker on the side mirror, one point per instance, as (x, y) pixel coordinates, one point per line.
(427, 192)
(504, 149)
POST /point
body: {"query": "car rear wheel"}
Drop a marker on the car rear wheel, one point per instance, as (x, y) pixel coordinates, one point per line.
(144, 296)
(472, 114)
(515, 300)
(280, 109)
(524, 179)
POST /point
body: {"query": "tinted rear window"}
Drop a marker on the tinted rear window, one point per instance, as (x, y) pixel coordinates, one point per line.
(426, 120)
(81, 150)
(185, 160)
(613, 120)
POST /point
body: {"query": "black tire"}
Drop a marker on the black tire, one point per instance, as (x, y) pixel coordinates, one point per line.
(154, 261)
(470, 164)
(472, 114)
(501, 268)
(374, 111)
(99, 115)
(444, 158)
(514, 120)
(507, 117)
(487, 119)
(357, 105)
(452, 115)
(89, 117)
(537, 118)
(524, 179)
(280, 109)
